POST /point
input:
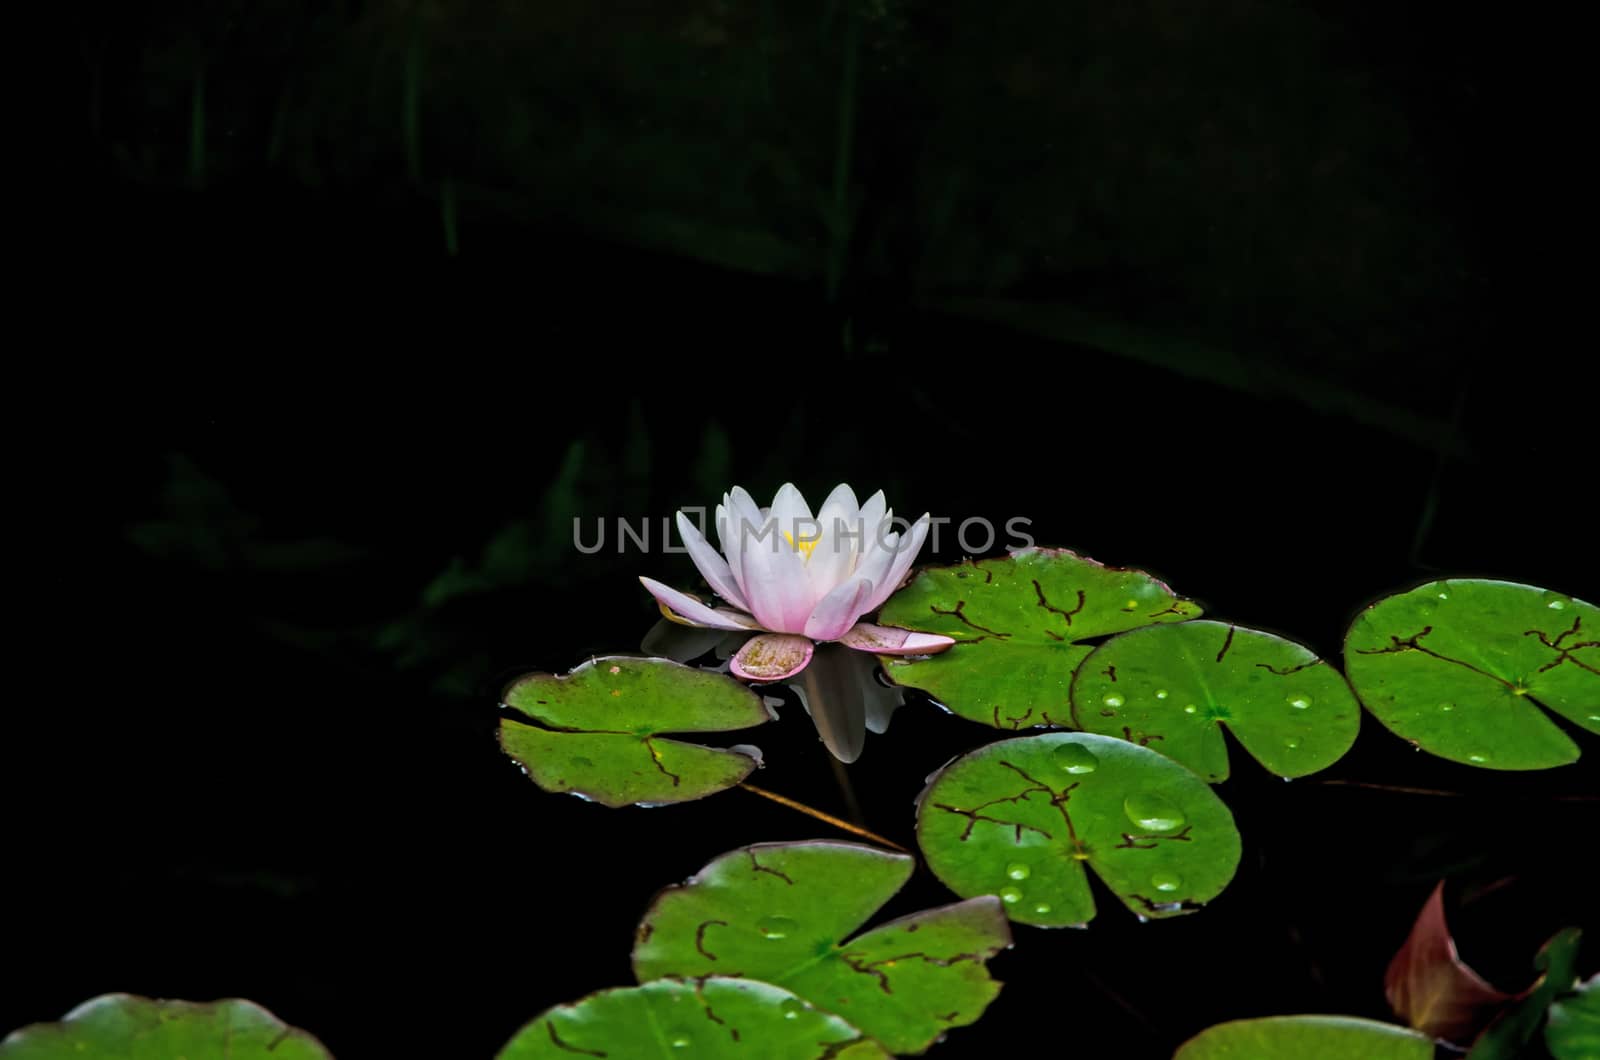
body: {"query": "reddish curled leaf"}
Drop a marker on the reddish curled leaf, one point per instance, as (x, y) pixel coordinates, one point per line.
(1431, 988)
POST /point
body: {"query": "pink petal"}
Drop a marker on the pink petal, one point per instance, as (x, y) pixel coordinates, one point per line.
(710, 563)
(908, 549)
(833, 559)
(795, 522)
(887, 640)
(681, 607)
(772, 657)
(775, 583)
(738, 533)
(838, 611)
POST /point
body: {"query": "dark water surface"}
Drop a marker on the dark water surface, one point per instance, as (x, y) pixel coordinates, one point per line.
(274, 771)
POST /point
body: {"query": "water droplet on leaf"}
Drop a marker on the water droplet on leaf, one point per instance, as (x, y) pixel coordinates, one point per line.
(1299, 701)
(1010, 895)
(1113, 700)
(1018, 871)
(1166, 881)
(776, 927)
(1153, 813)
(1161, 693)
(1076, 758)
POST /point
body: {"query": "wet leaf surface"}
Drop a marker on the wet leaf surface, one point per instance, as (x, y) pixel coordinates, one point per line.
(1027, 818)
(1461, 668)
(672, 1018)
(1173, 688)
(786, 913)
(600, 729)
(1306, 1038)
(138, 1028)
(1019, 622)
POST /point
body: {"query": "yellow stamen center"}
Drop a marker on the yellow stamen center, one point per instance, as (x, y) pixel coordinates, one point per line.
(805, 546)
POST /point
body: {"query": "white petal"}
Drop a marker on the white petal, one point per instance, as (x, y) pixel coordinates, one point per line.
(795, 522)
(686, 608)
(904, 557)
(838, 611)
(775, 581)
(710, 564)
(834, 557)
(744, 522)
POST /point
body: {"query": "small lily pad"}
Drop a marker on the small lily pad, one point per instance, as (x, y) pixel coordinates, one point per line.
(1573, 1030)
(710, 1018)
(1461, 667)
(1023, 819)
(1306, 1038)
(1019, 622)
(1507, 1038)
(782, 912)
(139, 1028)
(1172, 688)
(599, 731)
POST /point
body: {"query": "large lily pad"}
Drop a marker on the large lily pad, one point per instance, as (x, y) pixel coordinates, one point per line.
(1172, 688)
(139, 1028)
(1457, 668)
(785, 912)
(1573, 1030)
(1020, 621)
(600, 730)
(1023, 819)
(1306, 1038)
(711, 1018)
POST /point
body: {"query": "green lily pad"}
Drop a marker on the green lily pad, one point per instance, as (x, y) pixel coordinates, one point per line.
(1023, 819)
(781, 912)
(1172, 688)
(1019, 621)
(599, 730)
(1456, 667)
(1306, 1038)
(139, 1028)
(710, 1018)
(1507, 1037)
(1573, 1029)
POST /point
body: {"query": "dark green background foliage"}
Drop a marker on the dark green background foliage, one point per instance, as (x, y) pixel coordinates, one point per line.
(1269, 299)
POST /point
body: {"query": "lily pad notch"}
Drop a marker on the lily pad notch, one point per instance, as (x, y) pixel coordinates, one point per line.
(1028, 818)
(599, 732)
(1172, 688)
(1019, 622)
(1462, 667)
(789, 913)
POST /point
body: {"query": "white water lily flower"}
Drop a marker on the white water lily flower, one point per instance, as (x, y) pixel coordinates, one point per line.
(799, 579)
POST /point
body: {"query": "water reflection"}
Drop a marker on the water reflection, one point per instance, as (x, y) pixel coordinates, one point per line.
(843, 691)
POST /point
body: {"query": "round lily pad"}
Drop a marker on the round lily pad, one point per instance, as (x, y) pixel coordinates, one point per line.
(1573, 1030)
(1019, 622)
(784, 913)
(1461, 668)
(1306, 1038)
(139, 1028)
(711, 1018)
(599, 730)
(1024, 818)
(1172, 688)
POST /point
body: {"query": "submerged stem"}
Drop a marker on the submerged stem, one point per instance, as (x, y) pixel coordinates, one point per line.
(853, 829)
